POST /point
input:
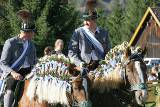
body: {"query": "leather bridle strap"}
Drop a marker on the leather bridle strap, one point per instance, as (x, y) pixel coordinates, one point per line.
(139, 86)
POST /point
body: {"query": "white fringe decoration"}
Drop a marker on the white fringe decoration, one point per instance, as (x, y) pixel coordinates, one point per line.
(50, 89)
(31, 88)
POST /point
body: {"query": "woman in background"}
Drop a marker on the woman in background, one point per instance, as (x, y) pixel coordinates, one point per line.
(48, 51)
(153, 76)
(58, 47)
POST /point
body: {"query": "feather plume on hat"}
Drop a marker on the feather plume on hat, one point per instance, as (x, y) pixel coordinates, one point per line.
(24, 15)
(91, 4)
(27, 23)
(90, 10)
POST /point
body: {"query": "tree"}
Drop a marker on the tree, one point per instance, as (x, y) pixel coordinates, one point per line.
(133, 13)
(102, 20)
(5, 28)
(152, 3)
(114, 23)
(52, 18)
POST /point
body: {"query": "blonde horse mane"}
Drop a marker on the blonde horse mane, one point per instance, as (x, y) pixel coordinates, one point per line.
(112, 80)
(110, 71)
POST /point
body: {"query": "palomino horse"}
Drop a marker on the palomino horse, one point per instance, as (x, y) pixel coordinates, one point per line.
(78, 96)
(106, 89)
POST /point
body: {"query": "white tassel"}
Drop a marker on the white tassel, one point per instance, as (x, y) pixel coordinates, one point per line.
(31, 88)
(51, 90)
(39, 90)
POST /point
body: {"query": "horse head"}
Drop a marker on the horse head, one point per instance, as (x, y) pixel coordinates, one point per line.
(80, 89)
(136, 73)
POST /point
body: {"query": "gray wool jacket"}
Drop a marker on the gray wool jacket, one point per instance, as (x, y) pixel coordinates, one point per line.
(80, 47)
(11, 52)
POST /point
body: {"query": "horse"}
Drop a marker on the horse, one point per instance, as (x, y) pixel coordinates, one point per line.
(76, 96)
(116, 89)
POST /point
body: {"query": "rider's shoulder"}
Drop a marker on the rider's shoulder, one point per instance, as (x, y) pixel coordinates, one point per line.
(12, 39)
(102, 29)
(78, 29)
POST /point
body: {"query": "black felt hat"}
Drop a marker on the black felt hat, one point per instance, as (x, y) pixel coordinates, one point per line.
(90, 12)
(27, 24)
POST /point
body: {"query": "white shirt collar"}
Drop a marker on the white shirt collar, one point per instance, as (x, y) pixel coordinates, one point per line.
(97, 29)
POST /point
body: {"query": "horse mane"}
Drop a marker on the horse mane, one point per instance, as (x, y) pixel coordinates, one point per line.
(109, 74)
(112, 80)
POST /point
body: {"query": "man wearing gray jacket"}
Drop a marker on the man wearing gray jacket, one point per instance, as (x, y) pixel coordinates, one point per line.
(89, 43)
(17, 59)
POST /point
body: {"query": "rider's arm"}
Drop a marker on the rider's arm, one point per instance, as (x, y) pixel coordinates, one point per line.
(73, 49)
(6, 58)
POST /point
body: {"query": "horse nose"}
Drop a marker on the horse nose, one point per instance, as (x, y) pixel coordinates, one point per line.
(141, 96)
(144, 95)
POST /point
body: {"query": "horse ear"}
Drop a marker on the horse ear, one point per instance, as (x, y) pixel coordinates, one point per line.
(144, 51)
(128, 52)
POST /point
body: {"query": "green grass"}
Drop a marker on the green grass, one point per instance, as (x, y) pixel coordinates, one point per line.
(150, 104)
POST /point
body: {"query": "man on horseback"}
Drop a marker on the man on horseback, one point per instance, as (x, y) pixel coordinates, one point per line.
(18, 57)
(89, 43)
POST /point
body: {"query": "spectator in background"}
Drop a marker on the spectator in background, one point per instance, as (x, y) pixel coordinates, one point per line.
(153, 76)
(58, 47)
(48, 51)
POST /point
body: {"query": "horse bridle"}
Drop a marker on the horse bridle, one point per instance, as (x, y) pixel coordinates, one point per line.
(138, 86)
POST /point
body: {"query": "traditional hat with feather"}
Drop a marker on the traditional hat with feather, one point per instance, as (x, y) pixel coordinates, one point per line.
(27, 25)
(90, 11)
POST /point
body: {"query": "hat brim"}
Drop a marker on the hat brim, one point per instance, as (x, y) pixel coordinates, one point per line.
(28, 30)
(90, 17)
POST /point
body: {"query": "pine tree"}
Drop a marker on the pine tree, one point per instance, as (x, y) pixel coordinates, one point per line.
(54, 21)
(152, 3)
(5, 30)
(133, 13)
(114, 24)
(102, 20)
(52, 18)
